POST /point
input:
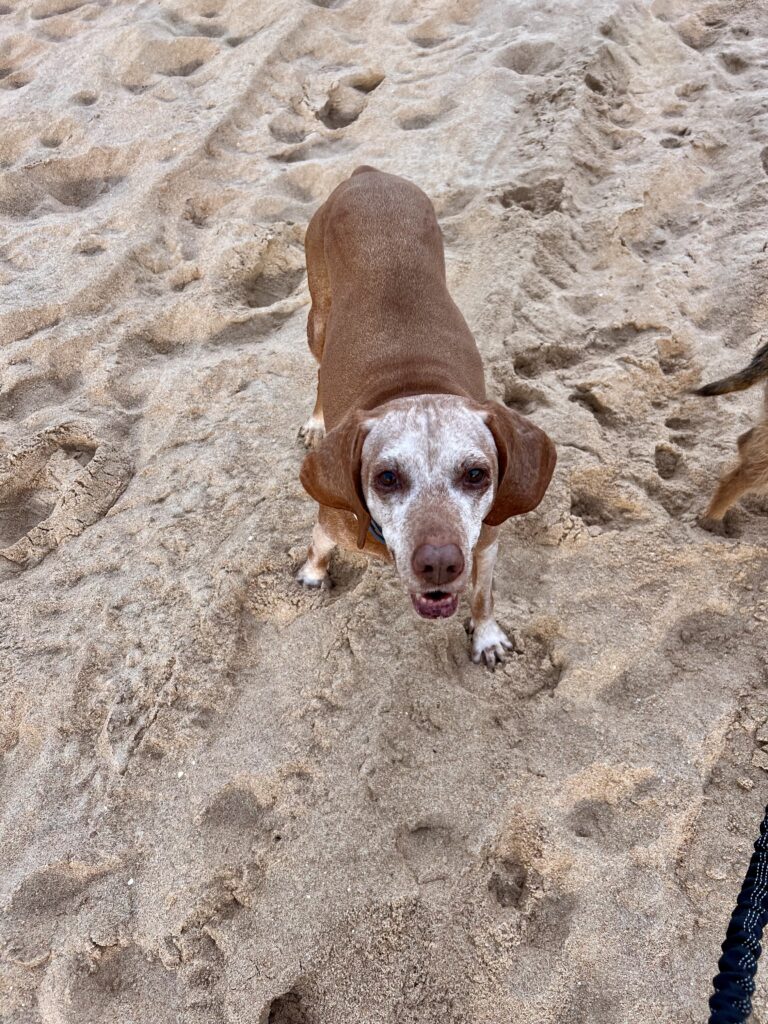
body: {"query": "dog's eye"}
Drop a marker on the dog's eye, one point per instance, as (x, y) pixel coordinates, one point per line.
(475, 477)
(387, 480)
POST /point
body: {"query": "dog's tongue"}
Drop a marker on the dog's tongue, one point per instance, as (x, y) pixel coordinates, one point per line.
(435, 605)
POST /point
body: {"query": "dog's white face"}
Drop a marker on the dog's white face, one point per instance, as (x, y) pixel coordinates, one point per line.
(429, 472)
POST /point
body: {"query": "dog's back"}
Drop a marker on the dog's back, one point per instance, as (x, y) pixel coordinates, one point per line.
(385, 324)
(382, 240)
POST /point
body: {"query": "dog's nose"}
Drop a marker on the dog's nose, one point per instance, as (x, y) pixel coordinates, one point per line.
(438, 564)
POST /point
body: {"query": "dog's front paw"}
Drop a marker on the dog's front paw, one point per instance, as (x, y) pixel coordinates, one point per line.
(313, 432)
(490, 643)
(309, 576)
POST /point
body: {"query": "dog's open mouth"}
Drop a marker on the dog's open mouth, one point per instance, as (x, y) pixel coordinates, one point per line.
(435, 604)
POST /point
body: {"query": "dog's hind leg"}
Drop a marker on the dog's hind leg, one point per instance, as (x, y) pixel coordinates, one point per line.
(750, 475)
(729, 490)
(313, 431)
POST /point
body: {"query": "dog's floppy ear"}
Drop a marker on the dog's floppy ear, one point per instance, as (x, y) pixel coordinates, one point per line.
(526, 462)
(331, 473)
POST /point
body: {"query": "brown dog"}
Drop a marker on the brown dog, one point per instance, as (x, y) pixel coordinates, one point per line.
(410, 462)
(751, 474)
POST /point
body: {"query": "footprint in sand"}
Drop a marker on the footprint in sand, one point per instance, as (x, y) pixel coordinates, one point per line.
(539, 198)
(599, 498)
(121, 981)
(531, 57)
(143, 59)
(667, 460)
(608, 74)
(13, 76)
(508, 884)
(532, 362)
(268, 274)
(347, 99)
(734, 63)
(38, 905)
(432, 851)
(269, 286)
(515, 884)
(85, 98)
(289, 1008)
(59, 185)
(52, 487)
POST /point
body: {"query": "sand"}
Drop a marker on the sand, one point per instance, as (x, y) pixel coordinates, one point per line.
(224, 799)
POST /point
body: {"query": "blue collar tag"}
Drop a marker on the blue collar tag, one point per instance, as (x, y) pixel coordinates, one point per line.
(375, 531)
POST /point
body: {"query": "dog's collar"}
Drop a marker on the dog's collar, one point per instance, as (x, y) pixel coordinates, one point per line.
(375, 531)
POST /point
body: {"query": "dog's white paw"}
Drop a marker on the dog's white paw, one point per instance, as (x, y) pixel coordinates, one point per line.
(309, 576)
(489, 643)
(313, 432)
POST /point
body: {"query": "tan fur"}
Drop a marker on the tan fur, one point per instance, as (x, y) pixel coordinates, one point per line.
(331, 474)
(399, 367)
(526, 462)
(382, 323)
(489, 643)
(482, 595)
(343, 527)
(751, 474)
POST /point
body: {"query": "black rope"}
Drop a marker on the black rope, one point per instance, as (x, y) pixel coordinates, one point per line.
(735, 982)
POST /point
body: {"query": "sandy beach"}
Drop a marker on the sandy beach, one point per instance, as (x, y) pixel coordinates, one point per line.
(227, 800)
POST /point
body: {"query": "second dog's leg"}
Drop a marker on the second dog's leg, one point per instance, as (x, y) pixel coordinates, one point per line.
(314, 572)
(750, 475)
(729, 490)
(489, 641)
